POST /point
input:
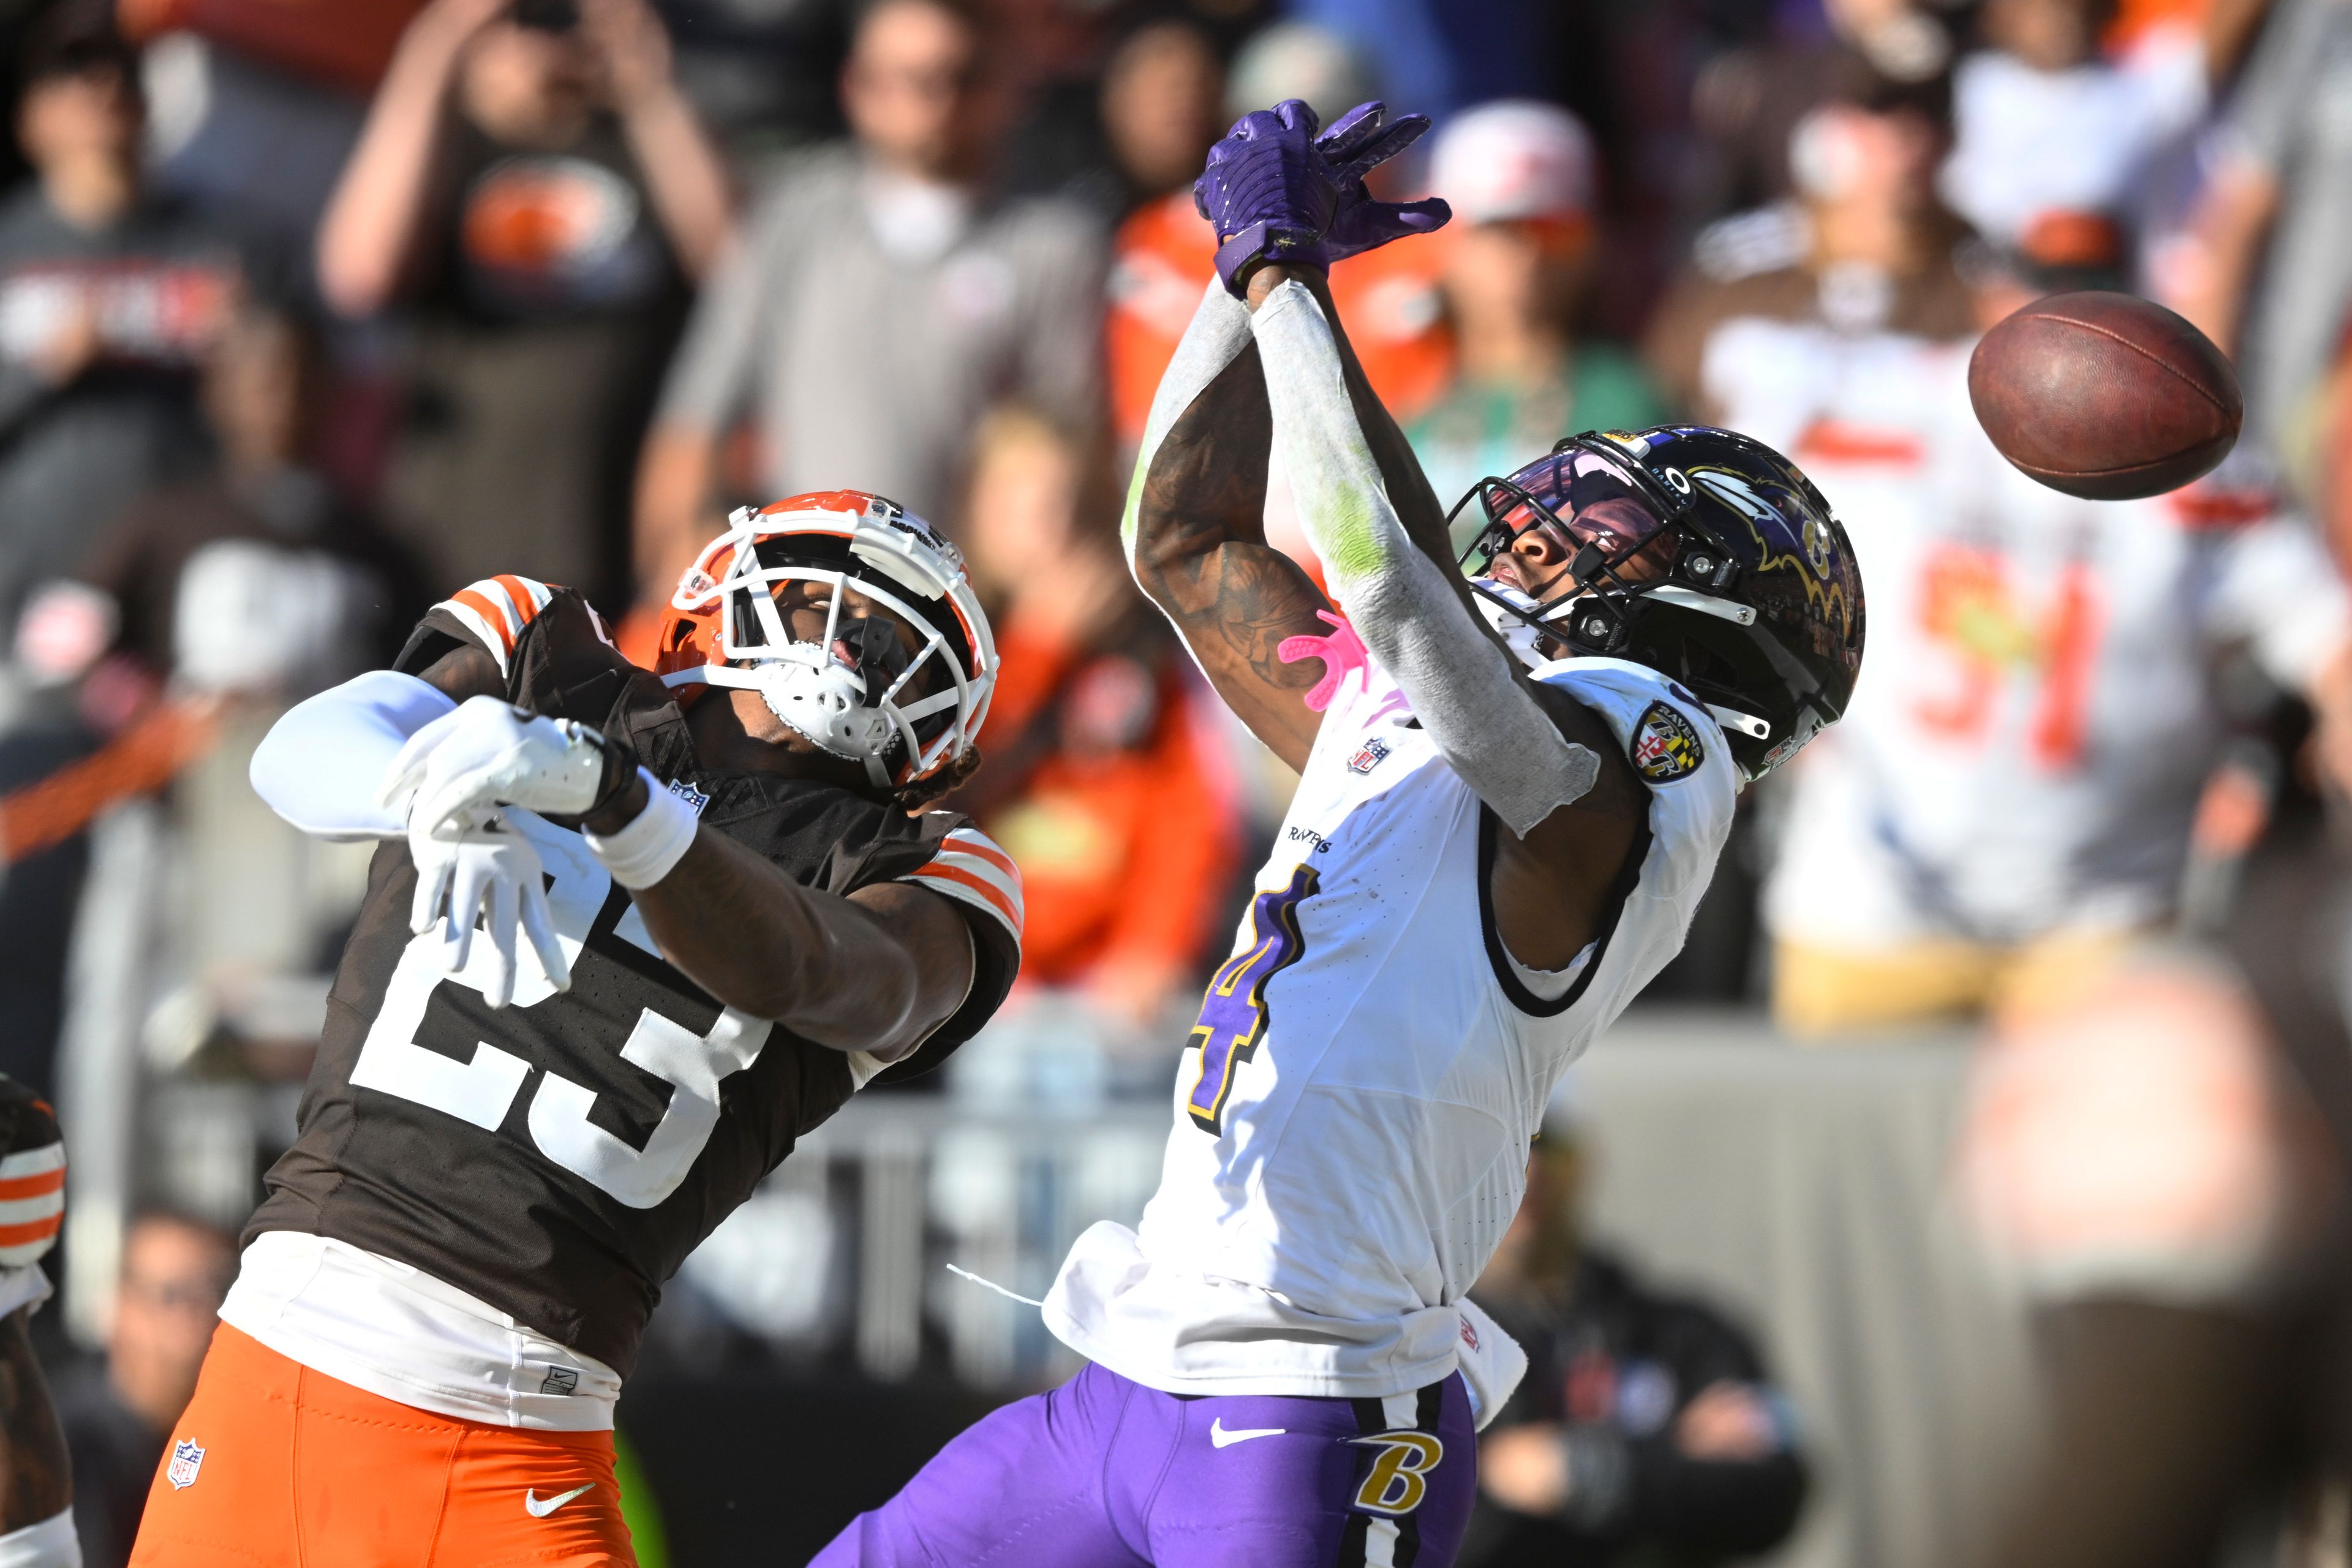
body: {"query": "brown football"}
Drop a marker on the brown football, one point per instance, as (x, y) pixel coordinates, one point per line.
(2104, 395)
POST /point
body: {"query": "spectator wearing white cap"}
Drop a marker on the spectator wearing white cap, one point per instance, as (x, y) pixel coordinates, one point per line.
(2042, 121)
(1519, 175)
(1865, 248)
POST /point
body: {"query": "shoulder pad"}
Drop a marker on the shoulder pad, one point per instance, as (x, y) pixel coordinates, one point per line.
(495, 611)
(971, 869)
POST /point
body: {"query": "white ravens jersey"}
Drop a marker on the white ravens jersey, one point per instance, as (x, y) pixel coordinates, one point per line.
(1354, 1106)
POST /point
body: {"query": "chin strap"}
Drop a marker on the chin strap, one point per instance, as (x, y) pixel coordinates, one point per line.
(826, 704)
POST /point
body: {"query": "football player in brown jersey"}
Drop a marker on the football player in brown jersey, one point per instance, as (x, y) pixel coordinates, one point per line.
(738, 914)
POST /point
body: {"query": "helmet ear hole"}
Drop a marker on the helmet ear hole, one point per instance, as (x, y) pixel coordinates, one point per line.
(1703, 667)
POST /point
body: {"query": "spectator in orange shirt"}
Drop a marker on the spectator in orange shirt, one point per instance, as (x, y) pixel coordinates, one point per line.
(1164, 255)
(1105, 781)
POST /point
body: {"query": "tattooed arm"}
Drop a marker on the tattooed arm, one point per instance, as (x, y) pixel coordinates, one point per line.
(1196, 533)
(1195, 518)
(39, 1484)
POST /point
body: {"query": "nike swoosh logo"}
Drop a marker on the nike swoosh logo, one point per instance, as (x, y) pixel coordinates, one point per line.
(541, 1509)
(1224, 1439)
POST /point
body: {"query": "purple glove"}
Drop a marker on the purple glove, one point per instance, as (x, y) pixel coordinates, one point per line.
(1276, 192)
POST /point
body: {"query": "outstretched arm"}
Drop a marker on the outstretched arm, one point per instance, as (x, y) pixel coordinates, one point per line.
(1420, 510)
(1547, 766)
(369, 239)
(1275, 190)
(1195, 529)
(1412, 613)
(876, 971)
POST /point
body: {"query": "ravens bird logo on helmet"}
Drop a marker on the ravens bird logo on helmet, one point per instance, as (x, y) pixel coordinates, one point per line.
(1698, 552)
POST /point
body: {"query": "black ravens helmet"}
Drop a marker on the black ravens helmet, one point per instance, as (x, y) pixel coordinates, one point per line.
(1697, 551)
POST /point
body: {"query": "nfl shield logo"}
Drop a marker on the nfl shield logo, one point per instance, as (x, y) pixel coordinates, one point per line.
(1369, 756)
(186, 1460)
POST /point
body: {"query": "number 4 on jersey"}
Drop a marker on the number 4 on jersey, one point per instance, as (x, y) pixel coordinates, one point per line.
(1234, 1014)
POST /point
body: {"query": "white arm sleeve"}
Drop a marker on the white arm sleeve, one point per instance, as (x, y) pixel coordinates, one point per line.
(52, 1543)
(321, 766)
(1504, 744)
(1219, 331)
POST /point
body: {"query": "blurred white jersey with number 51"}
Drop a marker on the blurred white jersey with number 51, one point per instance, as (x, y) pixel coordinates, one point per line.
(2026, 747)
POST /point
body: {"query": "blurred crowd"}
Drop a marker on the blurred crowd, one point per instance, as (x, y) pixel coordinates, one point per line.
(312, 310)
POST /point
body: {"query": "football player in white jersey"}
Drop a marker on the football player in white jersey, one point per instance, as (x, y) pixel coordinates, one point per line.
(1512, 793)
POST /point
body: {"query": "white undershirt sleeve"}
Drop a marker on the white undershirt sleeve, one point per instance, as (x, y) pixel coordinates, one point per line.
(1463, 688)
(52, 1543)
(321, 764)
(1219, 331)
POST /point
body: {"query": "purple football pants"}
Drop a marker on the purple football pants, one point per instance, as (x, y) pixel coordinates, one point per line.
(1105, 1473)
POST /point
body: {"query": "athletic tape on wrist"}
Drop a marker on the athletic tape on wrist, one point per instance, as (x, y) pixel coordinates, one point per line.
(644, 851)
(620, 765)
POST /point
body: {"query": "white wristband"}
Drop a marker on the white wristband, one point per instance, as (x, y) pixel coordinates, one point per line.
(655, 840)
(52, 1543)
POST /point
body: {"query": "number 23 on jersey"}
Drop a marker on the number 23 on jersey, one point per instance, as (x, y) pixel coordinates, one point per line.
(482, 1090)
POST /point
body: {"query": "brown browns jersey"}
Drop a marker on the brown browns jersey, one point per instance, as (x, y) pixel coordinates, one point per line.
(559, 1158)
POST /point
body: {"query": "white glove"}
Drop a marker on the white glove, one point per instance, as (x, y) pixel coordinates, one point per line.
(477, 865)
(489, 753)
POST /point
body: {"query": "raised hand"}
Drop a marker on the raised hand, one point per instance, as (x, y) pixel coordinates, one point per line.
(1266, 192)
(1277, 191)
(486, 752)
(633, 47)
(478, 868)
(1358, 142)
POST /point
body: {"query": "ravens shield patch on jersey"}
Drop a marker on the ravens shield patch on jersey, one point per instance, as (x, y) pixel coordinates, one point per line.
(1666, 746)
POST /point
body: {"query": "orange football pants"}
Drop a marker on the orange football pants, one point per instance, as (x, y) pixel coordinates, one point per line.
(299, 1471)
